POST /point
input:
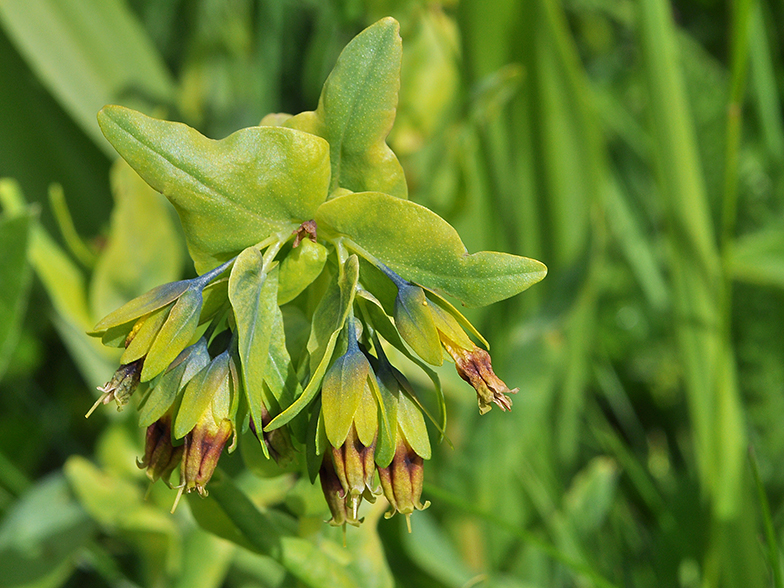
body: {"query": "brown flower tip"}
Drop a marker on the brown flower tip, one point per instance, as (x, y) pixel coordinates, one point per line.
(203, 447)
(402, 481)
(335, 495)
(160, 457)
(354, 467)
(475, 367)
(120, 388)
(305, 230)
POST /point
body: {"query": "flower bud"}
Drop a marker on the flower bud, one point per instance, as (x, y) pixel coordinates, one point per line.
(160, 457)
(120, 388)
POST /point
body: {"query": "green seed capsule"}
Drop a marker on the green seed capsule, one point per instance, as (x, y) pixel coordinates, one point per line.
(299, 269)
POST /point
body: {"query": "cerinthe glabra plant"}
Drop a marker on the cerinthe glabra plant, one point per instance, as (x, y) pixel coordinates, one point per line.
(302, 220)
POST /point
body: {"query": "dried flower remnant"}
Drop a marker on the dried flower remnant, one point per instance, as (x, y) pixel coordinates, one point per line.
(121, 387)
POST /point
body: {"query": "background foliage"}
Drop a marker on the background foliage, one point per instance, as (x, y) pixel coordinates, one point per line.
(637, 148)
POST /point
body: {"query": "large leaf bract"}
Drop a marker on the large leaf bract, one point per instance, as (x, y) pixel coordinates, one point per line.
(230, 194)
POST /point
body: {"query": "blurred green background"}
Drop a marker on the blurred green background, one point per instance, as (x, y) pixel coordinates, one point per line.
(634, 146)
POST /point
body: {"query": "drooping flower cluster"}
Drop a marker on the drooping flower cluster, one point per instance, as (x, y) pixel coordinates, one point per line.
(369, 435)
(314, 266)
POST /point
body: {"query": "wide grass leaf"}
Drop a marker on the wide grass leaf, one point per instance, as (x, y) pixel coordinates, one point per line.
(230, 194)
(87, 53)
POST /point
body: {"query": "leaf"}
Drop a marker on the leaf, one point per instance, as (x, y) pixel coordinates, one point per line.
(210, 384)
(14, 282)
(190, 362)
(342, 391)
(118, 506)
(230, 194)
(242, 522)
(356, 111)
(143, 248)
(279, 373)
(41, 530)
(331, 314)
(298, 270)
(591, 494)
(414, 322)
(253, 295)
(758, 258)
(64, 283)
(423, 248)
(145, 335)
(149, 301)
(87, 53)
(412, 423)
(175, 335)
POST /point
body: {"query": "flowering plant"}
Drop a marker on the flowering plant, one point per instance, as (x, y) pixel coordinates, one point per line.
(302, 225)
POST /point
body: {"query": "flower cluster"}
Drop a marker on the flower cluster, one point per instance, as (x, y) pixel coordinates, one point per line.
(212, 360)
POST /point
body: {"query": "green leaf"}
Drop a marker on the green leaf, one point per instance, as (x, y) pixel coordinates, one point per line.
(138, 307)
(253, 295)
(342, 391)
(279, 374)
(758, 258)
(299, 269)
(230, 194)
(14, 281)
(356, 111)
(64, 283)
(412, 423)
(190, 362)
(328, 321)
(591, 494)
(209, 385)
(242, 522)
(423, 248)
(176, 334)
(87, 53)
(144, 248)
(40, 531)
(145, 336)
(415, 324)
(118, 506)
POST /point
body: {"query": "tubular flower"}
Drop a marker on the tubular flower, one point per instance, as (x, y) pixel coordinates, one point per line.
(203, 447)
(427, 325)
(402, 480)
(160, 456)
(473, 365)
(354, 467)
(335, 495)
(350, 416)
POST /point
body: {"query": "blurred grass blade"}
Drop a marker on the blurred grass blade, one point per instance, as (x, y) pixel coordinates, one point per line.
(715, 410)
(758, 258)
(773, 553)
(14, 282)
(87, 53)
(576, 567)
(765, 85)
